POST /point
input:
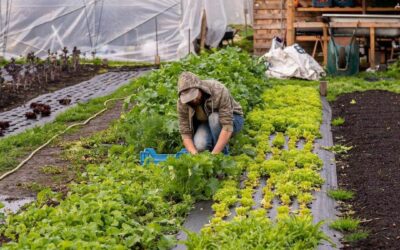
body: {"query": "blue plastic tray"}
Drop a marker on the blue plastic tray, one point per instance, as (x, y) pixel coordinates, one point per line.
(149, 154)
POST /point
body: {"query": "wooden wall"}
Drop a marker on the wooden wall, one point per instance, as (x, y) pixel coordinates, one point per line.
(269, 21)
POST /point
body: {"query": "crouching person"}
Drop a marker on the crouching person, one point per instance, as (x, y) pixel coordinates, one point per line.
(208, 114)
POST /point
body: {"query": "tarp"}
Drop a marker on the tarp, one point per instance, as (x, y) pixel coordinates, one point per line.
(131, 30)
(291, 61)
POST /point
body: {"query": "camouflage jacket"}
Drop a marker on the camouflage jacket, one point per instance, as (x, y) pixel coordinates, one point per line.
(218, 99)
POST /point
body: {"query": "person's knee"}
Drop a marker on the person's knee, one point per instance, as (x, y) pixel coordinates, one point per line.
(213, 120)
(200, 143)
(200, 139)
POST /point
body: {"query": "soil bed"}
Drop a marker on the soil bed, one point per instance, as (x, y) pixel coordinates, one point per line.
(372, 167)
(13, 185)
(9, 101)
(3, 240)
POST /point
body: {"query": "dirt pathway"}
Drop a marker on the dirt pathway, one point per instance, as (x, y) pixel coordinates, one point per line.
(31, 176)
(372, 167)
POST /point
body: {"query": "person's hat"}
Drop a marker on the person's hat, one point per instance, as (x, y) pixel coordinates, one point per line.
(189, 95)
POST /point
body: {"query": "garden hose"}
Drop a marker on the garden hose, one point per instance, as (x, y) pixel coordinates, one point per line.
(61, 133)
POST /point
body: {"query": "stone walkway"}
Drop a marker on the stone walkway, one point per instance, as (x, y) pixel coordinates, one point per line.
(100, 85)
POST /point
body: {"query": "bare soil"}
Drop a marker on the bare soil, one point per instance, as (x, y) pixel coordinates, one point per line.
(372, 167)
(11, 100)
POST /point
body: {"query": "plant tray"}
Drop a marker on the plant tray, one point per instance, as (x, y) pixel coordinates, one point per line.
(150, 155)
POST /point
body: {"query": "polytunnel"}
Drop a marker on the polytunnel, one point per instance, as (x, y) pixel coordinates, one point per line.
(124, 30)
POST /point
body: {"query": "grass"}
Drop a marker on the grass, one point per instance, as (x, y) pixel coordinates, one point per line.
(338, 149)
(32, 186)
(51, 170)
(389, 81)
(345, 225)
(113, 63)
(339, 121)
(350, 227)
(18, 60)
(96, 61)
(13, 148)
(341, 195)
(356, 236)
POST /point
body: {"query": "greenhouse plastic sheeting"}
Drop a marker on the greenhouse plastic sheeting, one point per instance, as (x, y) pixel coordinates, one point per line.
(191, 23)
(117, 30)
(235, 11)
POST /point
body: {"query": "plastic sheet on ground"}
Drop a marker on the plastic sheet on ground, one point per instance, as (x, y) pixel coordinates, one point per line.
(323, 207)
(291, 62)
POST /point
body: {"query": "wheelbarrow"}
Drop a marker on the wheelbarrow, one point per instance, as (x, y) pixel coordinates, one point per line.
(343, 54)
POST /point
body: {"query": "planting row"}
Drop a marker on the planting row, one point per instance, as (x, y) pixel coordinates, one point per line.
(292, 175)
(116, 203)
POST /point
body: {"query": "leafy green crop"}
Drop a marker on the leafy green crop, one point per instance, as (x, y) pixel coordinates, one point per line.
(197, 175)
(291, 174)
(356, 236)
(339, 149)
(1, 214)
(345, 224)
(341, 195)
(156, 96)
(118, 204)
(338, 121)
(258, 232)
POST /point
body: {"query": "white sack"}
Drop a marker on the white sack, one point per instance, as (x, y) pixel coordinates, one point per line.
(290, 62)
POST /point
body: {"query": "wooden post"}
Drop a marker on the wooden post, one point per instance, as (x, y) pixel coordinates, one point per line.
(372, 47)
(290, 14)
(315, 48)
(157, 59)
(364, 7)
(383, 55)
(325, 43)
(323, 88)
(203, 31)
